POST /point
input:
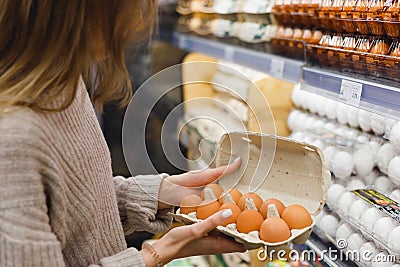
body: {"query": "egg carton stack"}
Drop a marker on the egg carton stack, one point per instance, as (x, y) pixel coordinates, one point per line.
(363, 150)
(246, 21)
(374, 139)
(226, 111)
(358, 245)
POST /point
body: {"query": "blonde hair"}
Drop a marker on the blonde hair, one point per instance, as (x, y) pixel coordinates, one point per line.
(47, 45)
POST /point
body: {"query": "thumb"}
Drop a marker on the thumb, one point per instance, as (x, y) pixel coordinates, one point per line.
(200, 229)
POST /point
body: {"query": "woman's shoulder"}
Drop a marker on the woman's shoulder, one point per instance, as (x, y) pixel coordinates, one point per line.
(20, 124)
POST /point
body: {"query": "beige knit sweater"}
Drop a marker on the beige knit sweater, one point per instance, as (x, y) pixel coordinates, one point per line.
(59, 204)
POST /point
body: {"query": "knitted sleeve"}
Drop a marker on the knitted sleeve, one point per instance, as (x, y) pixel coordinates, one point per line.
(138, 202)
(26, 237)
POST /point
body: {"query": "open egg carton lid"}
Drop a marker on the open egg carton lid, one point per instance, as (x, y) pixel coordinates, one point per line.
(273, 167)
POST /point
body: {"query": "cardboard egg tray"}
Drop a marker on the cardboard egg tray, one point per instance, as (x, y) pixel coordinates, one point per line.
(273, 167)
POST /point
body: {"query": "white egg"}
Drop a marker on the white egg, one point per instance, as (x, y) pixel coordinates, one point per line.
(355, 241)
(381, 260)
(329, 224)
(364, 120)
(296, 95)
(384, 155)
(342, 165)
(303, 99)
(293, 119)
(298, 136)
(395, 195)
(344, 231)
(370, 178)
(333, 194)
(389, 123)
(352, 133)
(345, 201)
(367, 251)
(394, 170)
(383, 227)
(318, 143)
(362, 139)
(300, 123)
(363, 162)
(320, 216)
(320, 106)
(341, 130)
(330, 152)
(319, 124)
(374, 145)
(355, 184)
(330, 109)
(395, 136)
(311, 103)
(382, 184)
(378, 124)
(352, 117)
(394, 239)
(358, 208)
(309, 122)
(369, 217)
(341, 113)
(330, 126)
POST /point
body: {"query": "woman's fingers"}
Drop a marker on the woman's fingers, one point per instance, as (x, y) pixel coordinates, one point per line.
(204, 177)
(193, 240)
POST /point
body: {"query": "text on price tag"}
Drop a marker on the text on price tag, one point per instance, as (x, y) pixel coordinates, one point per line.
(350, 93)
(276, 68)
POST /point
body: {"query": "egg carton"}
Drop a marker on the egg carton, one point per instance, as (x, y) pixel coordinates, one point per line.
(366, 232)
(353, 240)
(343, 114)
(346, 242)
(275, 167)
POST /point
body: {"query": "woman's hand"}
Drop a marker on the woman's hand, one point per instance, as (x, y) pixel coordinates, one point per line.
(191, 240)
(174, 188)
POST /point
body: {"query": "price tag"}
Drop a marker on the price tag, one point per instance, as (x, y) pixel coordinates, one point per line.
(229, 53)
(182, 42)
(350, 93)
(276, 68)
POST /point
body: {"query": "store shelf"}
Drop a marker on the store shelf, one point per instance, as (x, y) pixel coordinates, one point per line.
(327, 252)
(374, 96)
(278, 67)
(369, 95)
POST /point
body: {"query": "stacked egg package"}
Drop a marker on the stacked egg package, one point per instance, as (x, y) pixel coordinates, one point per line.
(360, 36)
(235, 21)
(363, 151)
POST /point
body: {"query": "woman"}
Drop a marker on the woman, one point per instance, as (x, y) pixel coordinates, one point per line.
(59, 204)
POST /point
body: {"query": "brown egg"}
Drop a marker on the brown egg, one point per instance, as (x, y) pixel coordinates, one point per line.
(278, 204)
(216, 188)
(207, 208)
(249, 220)
(256, 198)
(297, 217)
(235, 194)
(190, 203)
(235, 213)
(274, 230)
